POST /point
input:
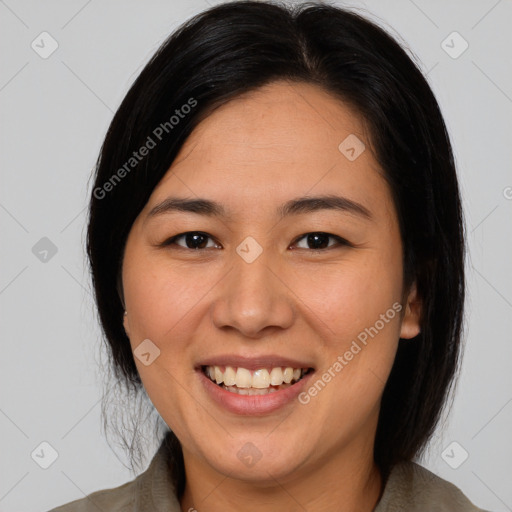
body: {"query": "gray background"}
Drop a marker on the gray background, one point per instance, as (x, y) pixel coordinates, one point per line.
(54, 114)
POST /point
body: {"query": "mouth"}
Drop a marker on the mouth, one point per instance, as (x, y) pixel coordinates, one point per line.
(261, 381)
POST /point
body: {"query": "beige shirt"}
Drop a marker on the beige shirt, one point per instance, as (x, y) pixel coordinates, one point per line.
(409, 488)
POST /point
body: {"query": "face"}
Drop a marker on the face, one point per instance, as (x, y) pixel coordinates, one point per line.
(293, 306)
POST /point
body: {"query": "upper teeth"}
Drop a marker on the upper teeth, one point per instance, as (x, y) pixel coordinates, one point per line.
(262, 378)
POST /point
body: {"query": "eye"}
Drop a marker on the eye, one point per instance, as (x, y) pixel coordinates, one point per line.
(198, 240)
(193, 240)
(319, 241)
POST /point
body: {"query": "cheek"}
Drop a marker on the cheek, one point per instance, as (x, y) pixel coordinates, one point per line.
(353, 294)
(359, 308)
(159, 297)
(165, 305)
(162, 305)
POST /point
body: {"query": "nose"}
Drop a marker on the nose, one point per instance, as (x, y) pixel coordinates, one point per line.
(253, 299)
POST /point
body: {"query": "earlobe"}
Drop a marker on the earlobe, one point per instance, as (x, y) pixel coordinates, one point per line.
(126, 323)
(411, 320)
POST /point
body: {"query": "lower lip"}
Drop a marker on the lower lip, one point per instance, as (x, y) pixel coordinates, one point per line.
(252, 405)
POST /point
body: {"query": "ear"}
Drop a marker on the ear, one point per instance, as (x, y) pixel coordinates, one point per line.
(126, 324)
(412, 317)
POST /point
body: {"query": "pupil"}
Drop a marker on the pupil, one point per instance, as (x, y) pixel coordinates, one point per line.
(196, 241)
(317, 240)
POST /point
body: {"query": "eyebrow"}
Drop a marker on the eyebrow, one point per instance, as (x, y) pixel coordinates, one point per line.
(297, 206)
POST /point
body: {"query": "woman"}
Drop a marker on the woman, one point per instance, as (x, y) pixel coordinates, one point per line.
(277, 250)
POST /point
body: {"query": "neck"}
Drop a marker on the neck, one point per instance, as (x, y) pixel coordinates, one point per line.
(347, 483)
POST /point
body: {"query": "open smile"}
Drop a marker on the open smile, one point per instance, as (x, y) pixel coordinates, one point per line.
(253, 386)
(254, 382)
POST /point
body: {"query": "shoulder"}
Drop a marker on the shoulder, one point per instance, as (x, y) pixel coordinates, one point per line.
(414, 488)
(153, 490)
(118, 499)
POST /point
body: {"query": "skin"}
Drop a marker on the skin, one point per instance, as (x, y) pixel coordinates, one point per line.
(252, 155)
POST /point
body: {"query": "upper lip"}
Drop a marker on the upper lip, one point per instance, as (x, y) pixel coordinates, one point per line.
(255, 362)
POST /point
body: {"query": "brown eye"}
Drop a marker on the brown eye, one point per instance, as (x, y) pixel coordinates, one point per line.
(320, 241)
(194, 240)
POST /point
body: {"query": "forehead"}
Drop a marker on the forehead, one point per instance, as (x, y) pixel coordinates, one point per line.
(278, 141)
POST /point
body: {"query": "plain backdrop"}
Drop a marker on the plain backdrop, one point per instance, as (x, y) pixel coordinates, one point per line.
(54, 112)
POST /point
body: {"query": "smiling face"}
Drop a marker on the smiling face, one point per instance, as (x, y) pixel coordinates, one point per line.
(266, 280)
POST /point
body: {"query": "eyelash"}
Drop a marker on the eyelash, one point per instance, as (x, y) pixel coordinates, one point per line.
(340, 241)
